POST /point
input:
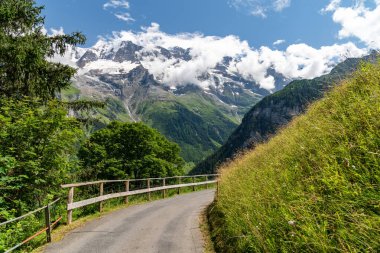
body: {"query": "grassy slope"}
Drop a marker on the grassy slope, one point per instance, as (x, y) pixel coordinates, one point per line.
(315, 186)
(276, 110)
(197, 124)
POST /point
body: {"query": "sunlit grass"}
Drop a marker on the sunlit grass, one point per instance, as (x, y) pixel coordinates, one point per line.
(315, 186)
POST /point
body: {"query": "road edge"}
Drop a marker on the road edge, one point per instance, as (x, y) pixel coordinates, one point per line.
(204, 226)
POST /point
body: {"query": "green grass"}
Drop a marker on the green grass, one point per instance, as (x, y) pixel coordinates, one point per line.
(197, 124)
(315, 186)
(70, 92)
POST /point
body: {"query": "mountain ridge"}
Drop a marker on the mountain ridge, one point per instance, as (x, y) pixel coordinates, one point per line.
(143, 83)
(275, 111)
(199, 117)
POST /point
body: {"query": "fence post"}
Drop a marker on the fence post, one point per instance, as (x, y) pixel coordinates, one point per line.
(101, 190)
(179, 182)
(193, 183)
(163, 191)
(70, 200)
(206, 181)
(127, 190)
(48, 223)
(148, 186)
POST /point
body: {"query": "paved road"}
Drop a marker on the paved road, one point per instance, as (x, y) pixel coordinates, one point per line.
(163, 226)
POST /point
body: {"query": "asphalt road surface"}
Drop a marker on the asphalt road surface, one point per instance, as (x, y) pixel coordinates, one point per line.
(162, 226)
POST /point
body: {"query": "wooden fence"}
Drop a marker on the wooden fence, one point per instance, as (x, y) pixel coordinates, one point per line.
(49, 225)
(165, 184)
(197, 180)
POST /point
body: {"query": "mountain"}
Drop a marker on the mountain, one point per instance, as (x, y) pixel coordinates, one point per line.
(275, 111)
(314, 187)
(198, 114)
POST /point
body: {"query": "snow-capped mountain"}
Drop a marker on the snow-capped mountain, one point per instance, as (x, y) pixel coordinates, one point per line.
(172, 67)
(197, 107)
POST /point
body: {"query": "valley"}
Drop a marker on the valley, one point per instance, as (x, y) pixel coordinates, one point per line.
(199, 116)
(130, 125)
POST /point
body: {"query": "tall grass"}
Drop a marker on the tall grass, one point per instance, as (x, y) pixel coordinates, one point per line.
(315, 186)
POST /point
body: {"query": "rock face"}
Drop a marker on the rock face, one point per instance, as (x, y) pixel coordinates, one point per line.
(127, 52)
(89, 56)
(275, 111)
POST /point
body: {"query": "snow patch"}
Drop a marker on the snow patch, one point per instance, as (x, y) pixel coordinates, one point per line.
(108, 66)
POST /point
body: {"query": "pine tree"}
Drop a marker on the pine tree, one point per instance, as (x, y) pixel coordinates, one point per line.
(25, 49)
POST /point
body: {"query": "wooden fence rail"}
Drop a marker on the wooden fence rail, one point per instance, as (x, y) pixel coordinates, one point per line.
(49, 225)
(71, 205)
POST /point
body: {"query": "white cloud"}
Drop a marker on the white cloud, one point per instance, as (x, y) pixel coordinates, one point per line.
(333, 5)
(259, 11)
(116, 4)
(54, 32)
(259, 8)
(125, 17)
(301, 60)
(121, 6)
(357, 21)
(279, 5)
(278, 42)
(297, 61)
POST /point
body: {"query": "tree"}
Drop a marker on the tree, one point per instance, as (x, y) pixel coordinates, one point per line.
(24, 52)
(129, 150)
(38, 142)
(38, 145)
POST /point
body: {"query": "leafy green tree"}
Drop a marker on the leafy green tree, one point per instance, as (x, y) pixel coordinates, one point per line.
(6, 184)
(24, 52)
(38, 145)
(129, 150)
(37, 139)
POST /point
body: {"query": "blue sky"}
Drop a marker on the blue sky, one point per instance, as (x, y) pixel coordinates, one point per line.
(296, 38)
(301, 21)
